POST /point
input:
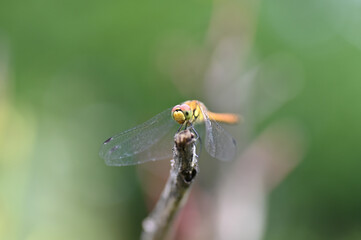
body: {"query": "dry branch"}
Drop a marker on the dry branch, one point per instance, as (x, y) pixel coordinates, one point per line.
(184, 168)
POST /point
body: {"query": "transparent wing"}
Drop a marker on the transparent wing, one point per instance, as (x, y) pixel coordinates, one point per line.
(218, 142)
(150, 141)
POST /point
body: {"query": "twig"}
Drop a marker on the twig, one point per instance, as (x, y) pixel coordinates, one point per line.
(184, 168)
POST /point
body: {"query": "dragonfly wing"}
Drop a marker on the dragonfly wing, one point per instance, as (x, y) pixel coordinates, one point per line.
(140, 144)
(218, 143)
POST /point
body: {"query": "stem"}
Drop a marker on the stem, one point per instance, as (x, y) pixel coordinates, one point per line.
(184, 168)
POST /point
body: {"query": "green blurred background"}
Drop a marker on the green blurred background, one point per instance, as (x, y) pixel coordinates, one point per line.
(73, 73)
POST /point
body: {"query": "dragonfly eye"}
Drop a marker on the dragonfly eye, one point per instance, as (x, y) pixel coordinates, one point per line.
(187, 115)
(181, 113)
(187, 111)
(179, 116)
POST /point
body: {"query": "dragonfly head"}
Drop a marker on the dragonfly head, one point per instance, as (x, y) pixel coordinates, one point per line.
(182, 113)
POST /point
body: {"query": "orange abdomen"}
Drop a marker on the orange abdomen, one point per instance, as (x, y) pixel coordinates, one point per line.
(229, 118)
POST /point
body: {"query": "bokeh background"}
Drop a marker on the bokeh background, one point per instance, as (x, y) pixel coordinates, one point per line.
(73, 73)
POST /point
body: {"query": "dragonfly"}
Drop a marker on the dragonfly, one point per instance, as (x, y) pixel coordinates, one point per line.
(152, 140)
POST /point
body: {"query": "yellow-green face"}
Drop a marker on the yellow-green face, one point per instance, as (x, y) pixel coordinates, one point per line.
(182, 113)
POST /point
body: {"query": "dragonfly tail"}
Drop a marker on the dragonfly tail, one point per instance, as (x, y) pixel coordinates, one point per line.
(225, 117)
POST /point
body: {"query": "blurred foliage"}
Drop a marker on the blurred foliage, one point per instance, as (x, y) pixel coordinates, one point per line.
(72, 73)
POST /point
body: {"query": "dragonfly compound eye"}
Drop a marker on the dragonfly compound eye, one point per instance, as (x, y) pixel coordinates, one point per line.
(179, 116)
(188, 115)
(181, 113)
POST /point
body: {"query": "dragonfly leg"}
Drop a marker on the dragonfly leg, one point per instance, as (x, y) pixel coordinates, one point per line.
(189, 125)
(193, 130)
(186, 125)
(199, 139)
(180, 128)
(196, 133)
